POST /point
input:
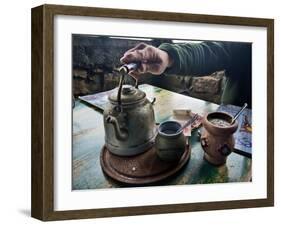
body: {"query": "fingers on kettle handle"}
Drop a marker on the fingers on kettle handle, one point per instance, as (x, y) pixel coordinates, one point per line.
(133, 54)
(141, 45)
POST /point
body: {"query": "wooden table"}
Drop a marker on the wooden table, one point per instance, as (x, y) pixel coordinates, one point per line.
(88, 139)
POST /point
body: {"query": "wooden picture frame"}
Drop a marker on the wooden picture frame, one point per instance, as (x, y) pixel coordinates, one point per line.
(42, 203)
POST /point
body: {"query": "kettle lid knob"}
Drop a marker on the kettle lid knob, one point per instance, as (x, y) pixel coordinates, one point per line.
(127, 89)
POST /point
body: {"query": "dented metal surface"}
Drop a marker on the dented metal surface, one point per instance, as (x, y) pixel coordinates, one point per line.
(129, 121)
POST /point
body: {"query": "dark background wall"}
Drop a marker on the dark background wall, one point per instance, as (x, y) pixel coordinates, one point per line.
(95, 57)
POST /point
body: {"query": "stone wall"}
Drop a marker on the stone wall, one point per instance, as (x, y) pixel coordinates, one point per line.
(95, 57)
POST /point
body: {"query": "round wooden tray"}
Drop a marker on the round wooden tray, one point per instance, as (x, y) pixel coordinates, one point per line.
(145, 168)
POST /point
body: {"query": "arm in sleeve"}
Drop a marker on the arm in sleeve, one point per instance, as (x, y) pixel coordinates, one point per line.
(197, 58)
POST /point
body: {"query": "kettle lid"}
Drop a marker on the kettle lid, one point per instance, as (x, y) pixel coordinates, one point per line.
(129, 95)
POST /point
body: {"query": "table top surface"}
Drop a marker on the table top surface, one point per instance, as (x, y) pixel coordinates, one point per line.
(88, 140)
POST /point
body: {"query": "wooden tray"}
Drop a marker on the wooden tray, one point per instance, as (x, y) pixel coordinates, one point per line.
(145, 168)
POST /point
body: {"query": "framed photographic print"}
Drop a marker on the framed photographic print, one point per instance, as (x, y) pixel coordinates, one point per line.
(141, 112)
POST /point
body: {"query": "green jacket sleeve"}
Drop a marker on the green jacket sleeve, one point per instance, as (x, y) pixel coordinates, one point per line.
(207, 57)
(198, 58)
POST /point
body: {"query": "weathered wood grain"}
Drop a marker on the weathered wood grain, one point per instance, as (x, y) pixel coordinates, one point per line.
(42, 111)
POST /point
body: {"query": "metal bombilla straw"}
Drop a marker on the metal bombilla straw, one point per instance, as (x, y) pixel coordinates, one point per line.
(238, 113)
(189, 122)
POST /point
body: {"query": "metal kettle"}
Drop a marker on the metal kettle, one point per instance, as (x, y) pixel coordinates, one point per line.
(129, 120)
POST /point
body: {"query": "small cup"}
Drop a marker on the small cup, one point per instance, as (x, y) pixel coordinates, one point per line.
(170, 142)
(217, 140)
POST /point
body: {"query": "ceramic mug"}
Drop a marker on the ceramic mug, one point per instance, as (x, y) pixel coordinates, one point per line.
(217, 138)
(170, 142)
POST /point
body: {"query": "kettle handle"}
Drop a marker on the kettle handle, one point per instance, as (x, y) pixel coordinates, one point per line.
(125, 69)
(120, 89)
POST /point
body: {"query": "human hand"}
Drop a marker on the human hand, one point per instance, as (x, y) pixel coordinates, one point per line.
(152, 60)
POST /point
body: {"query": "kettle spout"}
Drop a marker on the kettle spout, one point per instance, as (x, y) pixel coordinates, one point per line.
(121, 133)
